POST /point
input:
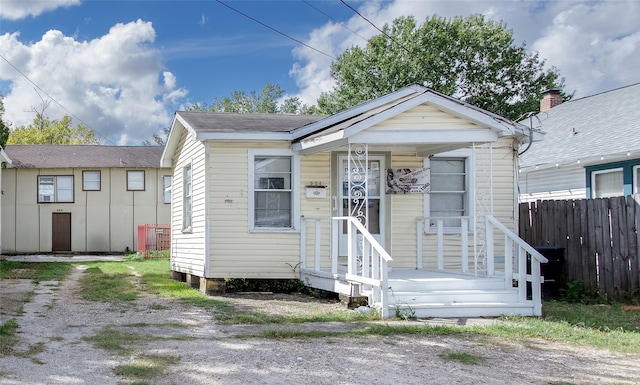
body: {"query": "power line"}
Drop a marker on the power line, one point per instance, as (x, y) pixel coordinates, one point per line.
(338, 22)
(52, 98)
(275, 30)
(376, 27)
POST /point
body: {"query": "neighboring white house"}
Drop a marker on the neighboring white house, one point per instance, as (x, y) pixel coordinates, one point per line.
(85, 198)
(591, 148)
(275, 196)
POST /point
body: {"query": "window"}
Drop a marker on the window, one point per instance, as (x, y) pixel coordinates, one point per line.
(187, 200)
(135, 180)
(55, 189)
(449, 197)
(166, 189)
(636, 179)
(91, 180)
(272, 181)
(607, 183)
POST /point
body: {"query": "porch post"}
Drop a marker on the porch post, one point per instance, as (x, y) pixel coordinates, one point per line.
(358, 164)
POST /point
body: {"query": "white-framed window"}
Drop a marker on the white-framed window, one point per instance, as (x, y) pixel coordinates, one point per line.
(636, 179)
(166, 188)
(607, 183)
(55, 188)
(135, 180)
(273, 195)
(91, 180)
(187, 199)
(451, 193)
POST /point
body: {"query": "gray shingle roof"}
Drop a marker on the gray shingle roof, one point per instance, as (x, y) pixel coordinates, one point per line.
(219, 122)
(604, 124)
(85, 156)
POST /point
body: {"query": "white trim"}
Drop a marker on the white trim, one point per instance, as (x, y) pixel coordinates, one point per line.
(469, 164)
(607, 171)
(187, 227)
(295, 189)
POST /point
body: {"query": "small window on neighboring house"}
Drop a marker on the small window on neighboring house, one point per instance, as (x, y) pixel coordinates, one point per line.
(272, 199)
(187, 200)
(57, 188)
(135, 180)
(91, 180)
(166, 189)
(636, 180)
(449, 195)
(607, 183)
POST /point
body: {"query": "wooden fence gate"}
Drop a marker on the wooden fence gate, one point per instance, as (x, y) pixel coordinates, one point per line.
(600, 238)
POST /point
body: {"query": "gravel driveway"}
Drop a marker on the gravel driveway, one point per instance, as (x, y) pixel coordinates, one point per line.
(53, 349)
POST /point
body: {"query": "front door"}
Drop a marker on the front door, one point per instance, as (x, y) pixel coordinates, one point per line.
(348, 199)
(61, 232)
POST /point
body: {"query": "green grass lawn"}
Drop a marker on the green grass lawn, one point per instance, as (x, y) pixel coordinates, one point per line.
(605, 326)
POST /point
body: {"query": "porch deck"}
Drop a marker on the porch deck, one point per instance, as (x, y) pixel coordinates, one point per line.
(504, 285)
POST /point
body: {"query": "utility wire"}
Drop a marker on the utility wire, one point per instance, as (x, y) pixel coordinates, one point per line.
(331, 18)
(275, 30)
(376, 27)
(52, 98)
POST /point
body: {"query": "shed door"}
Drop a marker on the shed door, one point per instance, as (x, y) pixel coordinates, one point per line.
(61, 236)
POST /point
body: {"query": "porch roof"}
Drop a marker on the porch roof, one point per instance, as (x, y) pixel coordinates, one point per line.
(350, 126)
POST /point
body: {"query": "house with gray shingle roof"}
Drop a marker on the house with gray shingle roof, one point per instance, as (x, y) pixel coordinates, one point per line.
(403, 181)
(591, 148)
(81, 198)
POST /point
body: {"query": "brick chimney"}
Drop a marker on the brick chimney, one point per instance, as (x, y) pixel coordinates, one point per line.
(550, 99)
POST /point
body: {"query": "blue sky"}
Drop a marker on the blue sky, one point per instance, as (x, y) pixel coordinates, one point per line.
(124, 67)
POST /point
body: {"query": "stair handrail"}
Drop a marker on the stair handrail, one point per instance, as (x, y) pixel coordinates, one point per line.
(378, 275)
(516, 238)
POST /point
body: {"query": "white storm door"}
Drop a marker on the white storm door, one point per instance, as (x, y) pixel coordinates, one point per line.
(375, 208)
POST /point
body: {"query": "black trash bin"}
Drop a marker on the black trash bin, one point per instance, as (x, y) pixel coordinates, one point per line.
(552, 271)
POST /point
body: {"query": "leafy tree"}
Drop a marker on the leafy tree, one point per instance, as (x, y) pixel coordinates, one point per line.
(4, 128)
(47, 131)
(157, 139)
(264, 102)
(470, 58)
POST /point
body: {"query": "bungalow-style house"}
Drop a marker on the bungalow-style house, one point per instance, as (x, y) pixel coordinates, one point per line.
(4, 161)
(591, 147)
(84, 198)
(408, 200)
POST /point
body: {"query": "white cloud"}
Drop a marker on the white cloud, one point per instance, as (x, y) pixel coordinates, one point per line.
(19, 9)
(595, 45)
(116, 83)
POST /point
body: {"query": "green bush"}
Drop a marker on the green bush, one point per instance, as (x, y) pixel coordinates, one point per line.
(579, 292)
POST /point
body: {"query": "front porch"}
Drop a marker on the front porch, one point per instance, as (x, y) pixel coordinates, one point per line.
(463, 279)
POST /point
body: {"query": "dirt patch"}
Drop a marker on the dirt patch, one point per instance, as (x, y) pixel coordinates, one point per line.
(278, 304)
(13, 294)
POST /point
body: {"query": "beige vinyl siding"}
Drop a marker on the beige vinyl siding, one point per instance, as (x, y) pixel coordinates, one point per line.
(236, 252)
(405, 208)
(188, 251)
(501, 171)
(423, 117)
(316, 168)
(101, 221)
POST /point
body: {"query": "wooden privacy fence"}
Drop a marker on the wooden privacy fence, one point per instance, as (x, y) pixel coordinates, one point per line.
(153, 239)
(600, 238)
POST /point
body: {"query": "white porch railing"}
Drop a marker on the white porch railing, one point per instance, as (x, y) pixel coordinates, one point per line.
(519, 262)
(367, 260)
